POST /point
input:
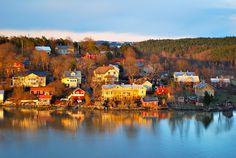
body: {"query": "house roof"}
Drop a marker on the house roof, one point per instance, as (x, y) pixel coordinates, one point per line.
(43, 48)
(72, 74)
(108, 86)
(184, 73)
(150, 99)
(103, 69)
(201, 85)
(38, 73)
(42, 88)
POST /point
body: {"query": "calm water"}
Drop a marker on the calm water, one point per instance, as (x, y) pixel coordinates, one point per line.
(33, 134)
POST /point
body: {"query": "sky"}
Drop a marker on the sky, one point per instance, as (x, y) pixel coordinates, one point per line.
(118, 20)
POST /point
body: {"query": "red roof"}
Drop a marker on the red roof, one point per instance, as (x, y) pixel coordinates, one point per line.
(41, 89)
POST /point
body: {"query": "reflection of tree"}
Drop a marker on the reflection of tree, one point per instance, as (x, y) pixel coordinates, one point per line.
(131, 130)
(205, 118)
(179, 121)
(225, 122)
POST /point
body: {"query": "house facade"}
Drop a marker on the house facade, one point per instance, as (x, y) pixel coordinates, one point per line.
(72, 79)
(64, 49)
(15, 67)
(107, 74)
(220, 82)
(1, 96)
(118, 92)
(186, 77)
(203, 87)
(78, 94)
(151, 102)
(30, 79)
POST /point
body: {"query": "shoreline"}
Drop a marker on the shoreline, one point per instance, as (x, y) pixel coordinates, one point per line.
(101, 108)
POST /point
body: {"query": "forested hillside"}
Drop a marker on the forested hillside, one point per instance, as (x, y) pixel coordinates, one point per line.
(213, 49)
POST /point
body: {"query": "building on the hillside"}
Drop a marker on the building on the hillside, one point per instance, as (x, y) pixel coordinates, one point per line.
(220, 82)
(15, 67)
(186, 77)
(30, 79)
(43, 48)
(203, 87)
(1, 96)
(72, 79)
(78, 95)
(64, 49)
(147, 85)
(123, 91)
(107, 74)
(91, 56)
(162, 91)
(151, 102)
(42, 90)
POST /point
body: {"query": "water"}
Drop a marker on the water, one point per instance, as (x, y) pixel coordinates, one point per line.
(33, 134)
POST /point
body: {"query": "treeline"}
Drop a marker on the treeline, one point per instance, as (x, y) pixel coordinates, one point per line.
(217, 49)
(25, 45)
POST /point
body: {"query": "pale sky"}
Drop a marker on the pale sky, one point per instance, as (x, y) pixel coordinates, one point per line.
(118, 20)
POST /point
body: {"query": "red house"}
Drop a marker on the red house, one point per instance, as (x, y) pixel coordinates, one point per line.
(42, 90)
(91, 56)
(151, 102)
(78, 94)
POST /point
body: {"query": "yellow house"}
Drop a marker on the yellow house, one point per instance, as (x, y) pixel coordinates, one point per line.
(128, 91)
(30, 79)
(106, 74)
(203, 87)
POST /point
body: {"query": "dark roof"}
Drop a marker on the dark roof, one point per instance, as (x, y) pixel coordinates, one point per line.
(39, 73)
(150, 99)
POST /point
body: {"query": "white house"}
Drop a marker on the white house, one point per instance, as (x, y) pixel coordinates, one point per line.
(43, 48)
(186, 77)
(220, 81)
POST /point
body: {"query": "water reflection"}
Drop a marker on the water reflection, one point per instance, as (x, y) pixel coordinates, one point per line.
(131, 123)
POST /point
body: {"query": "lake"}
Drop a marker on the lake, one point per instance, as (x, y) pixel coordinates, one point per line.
(37, 134)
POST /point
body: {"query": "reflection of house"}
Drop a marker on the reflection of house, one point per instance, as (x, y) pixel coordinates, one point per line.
(186, 77)
(78, 94)
(106, 74)
(203, 87)
(43, 48)
(150, 101)
(30, 79)
(123, 91)
(72, 79)
(1, 96)
(64, 49)
(220, 82)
